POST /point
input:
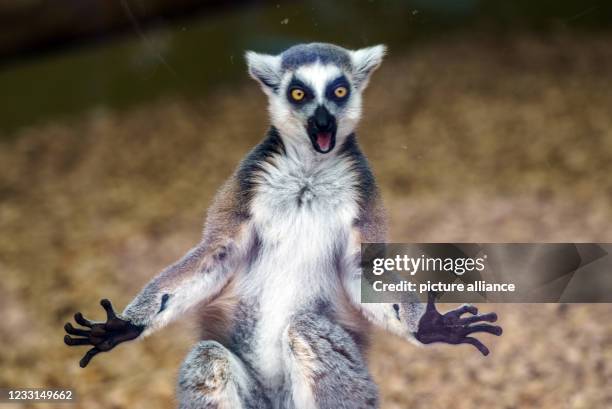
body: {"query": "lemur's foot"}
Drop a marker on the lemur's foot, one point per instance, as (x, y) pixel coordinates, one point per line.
(103, 336)
(452, 329)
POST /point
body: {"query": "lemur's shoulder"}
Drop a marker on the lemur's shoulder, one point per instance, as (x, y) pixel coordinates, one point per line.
(231, 205)
(246, 174)
(225, 215)
(372, 219)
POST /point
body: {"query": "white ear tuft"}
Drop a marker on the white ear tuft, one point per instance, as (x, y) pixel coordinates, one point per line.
(365, 61)
(265, 69)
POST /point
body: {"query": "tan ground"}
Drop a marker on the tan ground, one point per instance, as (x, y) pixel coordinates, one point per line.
(472, 140)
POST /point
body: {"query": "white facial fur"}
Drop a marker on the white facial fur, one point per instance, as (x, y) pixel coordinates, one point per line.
(291, 120)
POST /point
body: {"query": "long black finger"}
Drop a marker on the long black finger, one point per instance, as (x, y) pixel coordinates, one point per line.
(465, 308)
(431, 301)
(75, 331)
(491, 329)
(479, 345)
(78, 317)
(490, 317)
(68, 340)
(110, 313)
(87, 357)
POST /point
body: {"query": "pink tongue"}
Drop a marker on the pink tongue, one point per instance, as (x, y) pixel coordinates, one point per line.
(323, 140)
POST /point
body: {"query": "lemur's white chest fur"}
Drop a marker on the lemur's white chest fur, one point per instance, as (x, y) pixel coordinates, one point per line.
(302, 214)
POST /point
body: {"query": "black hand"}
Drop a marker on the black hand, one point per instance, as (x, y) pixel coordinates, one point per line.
(102, 336)
(452, 329)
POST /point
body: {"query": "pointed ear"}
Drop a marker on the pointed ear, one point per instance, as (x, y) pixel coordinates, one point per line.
(265, 69)
(365, 61)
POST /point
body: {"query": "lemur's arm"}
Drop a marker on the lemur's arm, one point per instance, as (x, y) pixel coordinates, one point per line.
(410, 319)
(199, 276)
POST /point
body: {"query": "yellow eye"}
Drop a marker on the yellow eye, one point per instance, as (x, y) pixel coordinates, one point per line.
(340, 92)
(297, 94)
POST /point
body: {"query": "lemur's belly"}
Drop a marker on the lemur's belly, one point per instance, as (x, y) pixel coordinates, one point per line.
(303, 225)
(290, 276)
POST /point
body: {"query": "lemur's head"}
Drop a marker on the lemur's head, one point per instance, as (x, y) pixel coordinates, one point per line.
(315, 90)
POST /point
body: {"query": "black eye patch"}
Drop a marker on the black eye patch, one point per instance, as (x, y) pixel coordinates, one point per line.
(297, 84)
(332, 86)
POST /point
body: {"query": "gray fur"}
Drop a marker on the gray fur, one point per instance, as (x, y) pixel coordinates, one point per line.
(150, 301)
(303, 54)
(335, 372)
(339, 376)
(245, 320)
(213, 378)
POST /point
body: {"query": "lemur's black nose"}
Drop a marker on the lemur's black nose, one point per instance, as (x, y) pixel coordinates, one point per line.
(323, 120)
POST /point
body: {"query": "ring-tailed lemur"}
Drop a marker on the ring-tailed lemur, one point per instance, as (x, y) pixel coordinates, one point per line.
(277, 273)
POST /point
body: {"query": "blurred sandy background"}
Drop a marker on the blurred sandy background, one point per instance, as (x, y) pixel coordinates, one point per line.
(473, 137)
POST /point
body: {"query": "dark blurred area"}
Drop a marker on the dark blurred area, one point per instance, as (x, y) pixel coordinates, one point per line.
(34, 26)
(58, 57)
(31, 27)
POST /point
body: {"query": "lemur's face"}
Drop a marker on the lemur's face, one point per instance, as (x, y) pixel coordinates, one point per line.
(315, 91)
(317, 101)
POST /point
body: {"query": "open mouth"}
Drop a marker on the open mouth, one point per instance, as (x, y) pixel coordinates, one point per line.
(324, 141)
(321, 129)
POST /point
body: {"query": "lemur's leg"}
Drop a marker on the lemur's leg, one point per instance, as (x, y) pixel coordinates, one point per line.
(199, 276)
(212, 377)
(325, 367)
